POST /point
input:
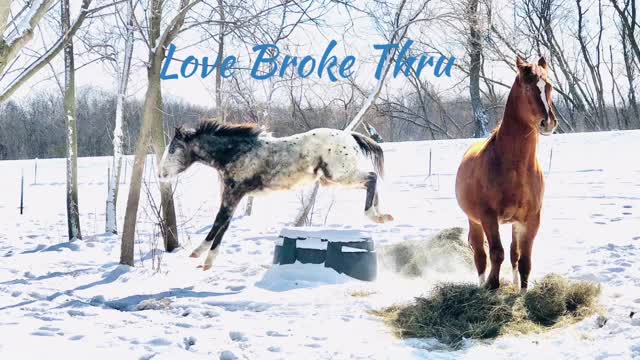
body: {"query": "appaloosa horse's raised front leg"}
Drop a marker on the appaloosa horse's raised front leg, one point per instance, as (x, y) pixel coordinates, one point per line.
(496, 251)
(371, 201)
(476, 240)
(230, 201)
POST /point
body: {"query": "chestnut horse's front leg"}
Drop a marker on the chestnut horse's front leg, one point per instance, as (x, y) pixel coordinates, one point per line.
(517, 230)
(496, 252)
(526, 234)
(476, 241)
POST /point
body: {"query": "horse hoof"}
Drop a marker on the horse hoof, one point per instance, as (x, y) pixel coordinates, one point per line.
(206, 267)
(492, 285)
(194, 255)
(381, 219)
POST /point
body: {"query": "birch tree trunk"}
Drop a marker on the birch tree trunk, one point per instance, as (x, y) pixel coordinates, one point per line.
(475, 63)
(111, 225)
(73, 216)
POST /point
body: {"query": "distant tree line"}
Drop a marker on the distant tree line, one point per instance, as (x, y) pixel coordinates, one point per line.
(33, 127)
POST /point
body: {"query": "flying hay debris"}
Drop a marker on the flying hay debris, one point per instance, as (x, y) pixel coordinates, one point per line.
(443, 253)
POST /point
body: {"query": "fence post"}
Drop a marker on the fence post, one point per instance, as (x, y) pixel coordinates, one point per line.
(35, 172)
(429, 161)
(22, 192)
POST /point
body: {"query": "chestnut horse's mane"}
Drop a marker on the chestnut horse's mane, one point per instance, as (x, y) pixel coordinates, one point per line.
(212, 127)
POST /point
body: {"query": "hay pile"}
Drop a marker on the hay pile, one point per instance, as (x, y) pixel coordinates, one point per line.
(454, 312)
(554, 297)
(445, 252)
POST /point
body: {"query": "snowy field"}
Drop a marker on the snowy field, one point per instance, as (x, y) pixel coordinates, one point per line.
(63, 300)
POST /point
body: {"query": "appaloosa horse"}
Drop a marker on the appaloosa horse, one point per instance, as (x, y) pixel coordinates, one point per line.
(250, 160)
(500, 179)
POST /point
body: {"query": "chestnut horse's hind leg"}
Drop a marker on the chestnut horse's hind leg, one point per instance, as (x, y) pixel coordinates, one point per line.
(525, 243)
(476, 240)
(496, 252)
(371, 201)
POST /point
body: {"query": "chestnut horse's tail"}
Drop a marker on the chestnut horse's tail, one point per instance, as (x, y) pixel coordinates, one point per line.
(372, 150)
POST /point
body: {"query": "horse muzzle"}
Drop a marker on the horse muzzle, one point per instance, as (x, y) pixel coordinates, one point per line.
(547, 126)
(165, 177)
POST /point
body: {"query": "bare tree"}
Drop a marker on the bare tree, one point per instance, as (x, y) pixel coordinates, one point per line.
(70, 121)
(629, 62)
(153, 131)
(398, 28)
(627, 11)
(12, 47)
(116, 163)
(221, 35)
(480, 119)
(593, 65)
(21, 29)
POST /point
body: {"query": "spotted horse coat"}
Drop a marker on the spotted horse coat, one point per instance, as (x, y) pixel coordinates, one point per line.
(250, 160)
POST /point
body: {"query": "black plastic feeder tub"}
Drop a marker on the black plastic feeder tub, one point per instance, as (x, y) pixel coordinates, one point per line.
(347, 251)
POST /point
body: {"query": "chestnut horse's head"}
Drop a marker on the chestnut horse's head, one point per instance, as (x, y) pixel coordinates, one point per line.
(536, 88)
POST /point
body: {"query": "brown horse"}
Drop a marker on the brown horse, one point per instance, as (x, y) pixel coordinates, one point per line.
(500, 180)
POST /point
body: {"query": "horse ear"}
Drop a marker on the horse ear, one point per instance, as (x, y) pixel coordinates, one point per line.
(178, 134)
(520, 63)
(542, 62)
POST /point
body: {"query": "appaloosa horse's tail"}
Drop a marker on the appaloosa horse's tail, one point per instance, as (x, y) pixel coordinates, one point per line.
(372, 150)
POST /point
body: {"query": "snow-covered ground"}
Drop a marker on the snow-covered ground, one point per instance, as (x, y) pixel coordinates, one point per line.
(63, 300)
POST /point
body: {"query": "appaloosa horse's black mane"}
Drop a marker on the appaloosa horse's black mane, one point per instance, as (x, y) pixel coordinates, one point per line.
(212, 127)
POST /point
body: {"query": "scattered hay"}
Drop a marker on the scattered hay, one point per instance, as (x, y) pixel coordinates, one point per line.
(154, 304)
(546, 302)
(454, 312)
(451, 313)
(553, 297)
(443, 253)
(581, 296)
(362, 293)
